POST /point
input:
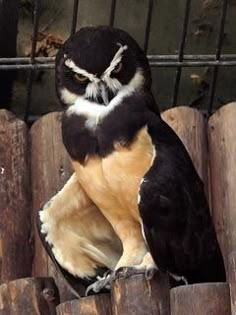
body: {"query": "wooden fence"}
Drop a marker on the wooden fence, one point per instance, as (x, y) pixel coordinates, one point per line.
(36, 158)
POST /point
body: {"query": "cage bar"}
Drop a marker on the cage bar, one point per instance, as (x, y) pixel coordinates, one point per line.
(148, 25)
(32, 58)
(74, 17)
(217, 56)
(181, 51)
(112, 13)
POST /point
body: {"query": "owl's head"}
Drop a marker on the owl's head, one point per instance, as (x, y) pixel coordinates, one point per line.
(96, 63)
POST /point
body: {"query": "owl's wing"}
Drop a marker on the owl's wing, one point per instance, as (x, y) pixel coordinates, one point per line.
(77, 237)
(175, 214)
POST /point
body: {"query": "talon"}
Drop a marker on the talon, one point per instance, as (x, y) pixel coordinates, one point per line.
(97, 286)
(149, 273)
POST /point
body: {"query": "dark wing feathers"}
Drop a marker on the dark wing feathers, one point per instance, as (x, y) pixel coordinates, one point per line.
(176, 218)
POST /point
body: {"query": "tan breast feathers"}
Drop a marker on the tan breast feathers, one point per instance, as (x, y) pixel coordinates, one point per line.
(113, 182)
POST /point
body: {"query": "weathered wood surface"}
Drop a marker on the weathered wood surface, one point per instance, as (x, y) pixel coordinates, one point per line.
(137, 296)
(29, 296)
(232, 281)
(92, 305)
(200, 299)
(190, 126)
(15, 240)
(50, 168)
(222, 147)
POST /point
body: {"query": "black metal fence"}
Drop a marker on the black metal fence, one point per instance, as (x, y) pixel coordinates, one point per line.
(177, 61)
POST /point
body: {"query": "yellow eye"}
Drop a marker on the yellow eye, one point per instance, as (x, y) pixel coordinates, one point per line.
(118, 68)
(80, 78)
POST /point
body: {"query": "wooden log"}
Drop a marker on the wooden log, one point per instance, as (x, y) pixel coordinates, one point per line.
(15, 239)
(29, 296)
(200, 299)
(137, 296)
(50, 169)
(222, 148)
(190, 126)
(232, 281)
(91, 305)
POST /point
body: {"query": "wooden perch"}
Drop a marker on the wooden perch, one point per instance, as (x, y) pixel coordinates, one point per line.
(50, 169)
(200, 299)
(232, 281)
(29, 296)
(137, 296)
(15, 239)
(222, 146)
(190, 126)
(92, 305)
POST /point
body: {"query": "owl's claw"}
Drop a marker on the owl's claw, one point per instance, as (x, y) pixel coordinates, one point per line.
(102, 283)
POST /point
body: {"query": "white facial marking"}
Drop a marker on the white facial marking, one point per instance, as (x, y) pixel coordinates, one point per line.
(96, 112)
(115, 61)
(70, 64)
(68, 97)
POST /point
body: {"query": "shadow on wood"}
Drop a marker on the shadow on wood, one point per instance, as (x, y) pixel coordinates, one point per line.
(29, 296)
(137, 296)
(200, 299)
(16, 248)
(92, 305)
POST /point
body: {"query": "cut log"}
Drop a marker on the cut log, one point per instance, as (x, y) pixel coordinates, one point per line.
(92, 305)
(15, 239)
(190, 126)
(50, 169)
(137, 296)
(29, 296)
(232, 281)
(222, 146)
(200, 299)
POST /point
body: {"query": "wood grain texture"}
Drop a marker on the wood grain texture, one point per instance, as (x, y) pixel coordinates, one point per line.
(50, 168)
(93, 305)
(190, 126)
(222, 147)
(15, 239)
(232, 281)
(137, 296)
(200, 299)
(29, 296)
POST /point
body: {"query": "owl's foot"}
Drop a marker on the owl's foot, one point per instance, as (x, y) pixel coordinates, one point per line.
(101, 283)
(126, 272)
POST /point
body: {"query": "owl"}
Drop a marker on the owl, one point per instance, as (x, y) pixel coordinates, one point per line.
(135, 202)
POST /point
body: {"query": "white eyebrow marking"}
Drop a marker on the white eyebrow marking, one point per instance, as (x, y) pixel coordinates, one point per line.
(116, 59)
(70, 64)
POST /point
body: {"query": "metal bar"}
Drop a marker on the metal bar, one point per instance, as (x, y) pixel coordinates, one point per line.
(190, 57)
(169, 64)
(32, 57)
(181, 51)
(217, 56)
(148, 25)
(152, 58)
(112, 13)
(74, 17)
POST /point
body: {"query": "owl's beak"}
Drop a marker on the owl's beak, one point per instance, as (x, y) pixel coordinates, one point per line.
(104, 93)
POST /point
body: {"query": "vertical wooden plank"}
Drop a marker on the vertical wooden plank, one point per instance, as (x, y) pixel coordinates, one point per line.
(137, 296)
(15, 239)
(190, 126)
(93, 305)
(50, 169)
(29, 296)
(222, 148)
(232, 281)
(200, 299)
